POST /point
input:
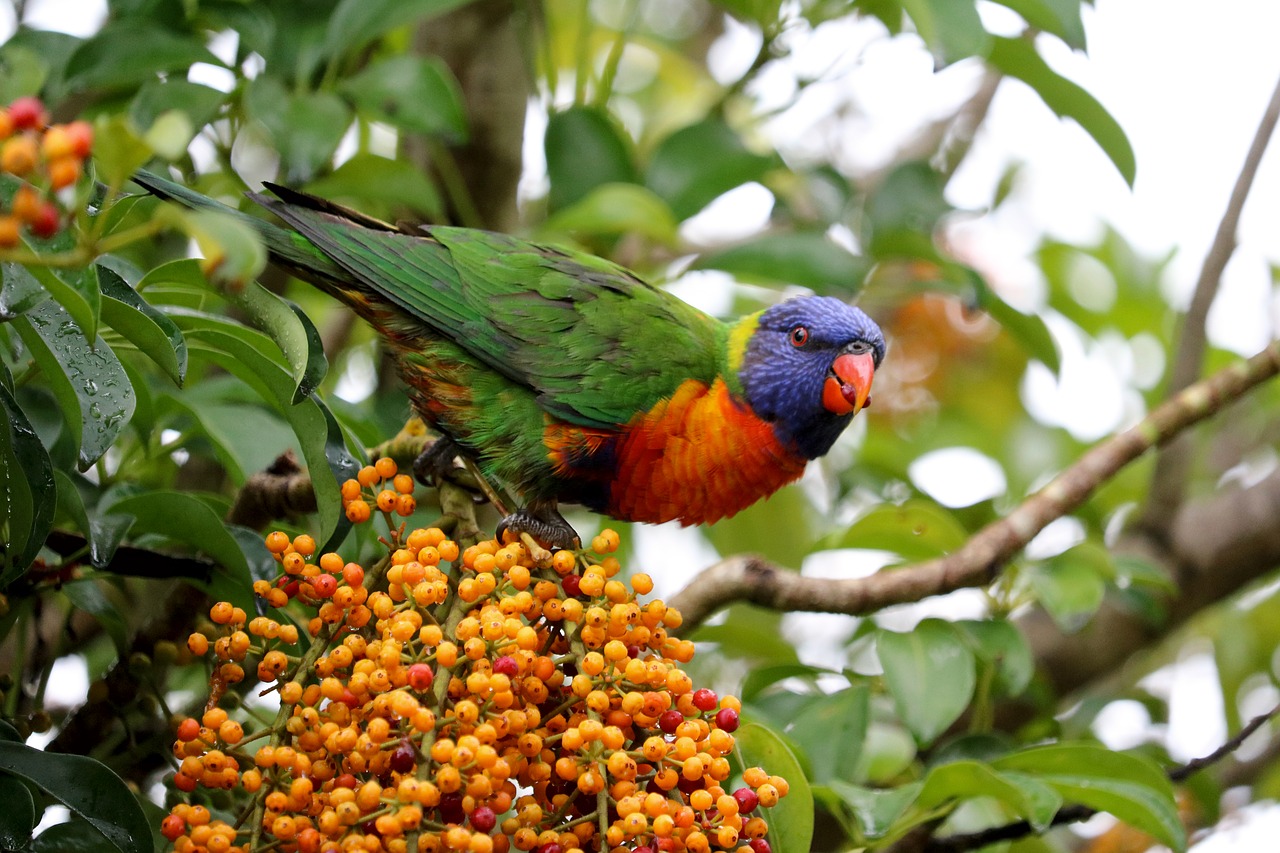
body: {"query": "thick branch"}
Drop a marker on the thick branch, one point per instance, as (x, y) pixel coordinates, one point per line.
(1174, 462)
(980, 559)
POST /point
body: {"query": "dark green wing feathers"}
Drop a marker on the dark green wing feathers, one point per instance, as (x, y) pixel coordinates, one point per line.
(595, 344)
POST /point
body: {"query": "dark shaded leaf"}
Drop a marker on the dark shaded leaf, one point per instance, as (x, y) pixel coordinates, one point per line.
(18, 817)
(95, 394)
(791, 821)
(806, 258)
(904, 211)
(700, 162)
(930, 673)
(28, 495)
(999, 644)
(354, 23)
(185, 518)
(1018, 58)
(74, 836)
(415, 93)
(760, 678)
(128, 52)
(585, 148)
(86, 595)
(153, 333)
(85, 786)
(306, 128)
(370, 178)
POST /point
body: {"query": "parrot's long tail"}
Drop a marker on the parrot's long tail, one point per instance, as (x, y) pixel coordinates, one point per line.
(286, 248)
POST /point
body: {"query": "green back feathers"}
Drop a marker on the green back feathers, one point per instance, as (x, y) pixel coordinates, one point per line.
(594, 343)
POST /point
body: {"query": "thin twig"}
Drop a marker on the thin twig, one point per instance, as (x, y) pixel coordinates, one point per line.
(982, 557)
(1173, 465)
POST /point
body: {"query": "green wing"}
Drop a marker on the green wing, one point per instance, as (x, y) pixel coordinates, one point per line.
(595, 343)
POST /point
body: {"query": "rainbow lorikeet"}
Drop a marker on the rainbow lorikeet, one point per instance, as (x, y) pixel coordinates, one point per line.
(569, 379)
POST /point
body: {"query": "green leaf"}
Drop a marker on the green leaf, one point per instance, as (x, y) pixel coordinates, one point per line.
(889, 751)
(877, 810)
(760, 678)
(1060, 17)
(19, 290)
(916, 530)
(18, 817)
(74, 836)
(1127, 785)
(952, 28)
(76, 290)
(1027, 329)
(791, 821)
(233, 251)
(904, 211)
(761, 12)
(247, 439)
(755, 529)
(585, 148)
(293, 332)
(22, 72)
(1018, 58)
(370, 178)
(88, 382)
(118, 150)
(85, 786)
(152, 332)
(415, 93)
(306, 128)
(831, 729)
(355, 23)
(998, 643)
(963, 780)
(617, 209)
(200, 104)
(806, 258)
(1072, 584)
(128, 52)
(86, 595)
(930, 674)
(27, 493)
(170, 134)
(700, 162)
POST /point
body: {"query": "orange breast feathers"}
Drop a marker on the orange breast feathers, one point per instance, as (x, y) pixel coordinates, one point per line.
(697, 457)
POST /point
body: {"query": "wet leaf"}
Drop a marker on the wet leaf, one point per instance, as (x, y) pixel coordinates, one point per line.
(153, 333)
(28, 495)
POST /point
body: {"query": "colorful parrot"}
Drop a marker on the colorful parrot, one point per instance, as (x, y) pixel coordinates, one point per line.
(568, 378)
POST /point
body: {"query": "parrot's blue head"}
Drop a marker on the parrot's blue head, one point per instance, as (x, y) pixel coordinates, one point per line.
(807, 369)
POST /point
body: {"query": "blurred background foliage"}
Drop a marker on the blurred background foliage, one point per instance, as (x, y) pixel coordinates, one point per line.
(600, 123)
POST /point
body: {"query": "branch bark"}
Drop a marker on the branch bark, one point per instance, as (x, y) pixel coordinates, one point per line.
(979, 560)
(1173, 465)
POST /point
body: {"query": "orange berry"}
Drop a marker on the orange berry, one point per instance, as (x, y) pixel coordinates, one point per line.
(277, 541)
(350, 490)
(403, 484)
(405, 506)
(367, 476)
(18, 156)
(304, 545)
(358, 512)
(26, 203)
(63, 172)
(198, 644)
(10, 231)
(6, 124)
(386, 500)
(386, 467)
(56, 143)
(81, 134)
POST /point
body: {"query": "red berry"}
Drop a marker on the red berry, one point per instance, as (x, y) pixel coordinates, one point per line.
(668, 720)
(451, 808)
(403, 758)
(188, 730)
(421, 676)
(324, 585)
(727, 719)
(47, 221)
(747, 800)
(551, 848)
(346, 780)
(172, 827)
(506, 665)
(81, 138)
(483, 819)
(759, 845)
(572, 585)
(704, 699)
(28, 114)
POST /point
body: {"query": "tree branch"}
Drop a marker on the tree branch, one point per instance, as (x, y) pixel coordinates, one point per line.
(982, 557)
(1173, 464)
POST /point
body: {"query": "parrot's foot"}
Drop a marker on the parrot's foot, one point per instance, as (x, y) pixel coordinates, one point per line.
(542, 521)
(436, 464)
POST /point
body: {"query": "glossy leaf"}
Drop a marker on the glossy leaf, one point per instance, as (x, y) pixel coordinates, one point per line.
(877, 809)
(915, 530)
(85, 786)
(831, 728)
(27, 492)
(930, 674)
(791, 821)
(19, 290)
(700, 162)
(1018, 58)
(1129, 786)
(961, 780)
(805, 258)
(1060, 17)
(292, 331)
(585, 148)
(354, 23)
(617, 209)
(153, 333)
(233, 252)
(370, 178)
(74, 836)
(89, 383)
(128, 52)
(18, 817)
(952, 28)
(76, 290)
(999, 644)
(418, 94)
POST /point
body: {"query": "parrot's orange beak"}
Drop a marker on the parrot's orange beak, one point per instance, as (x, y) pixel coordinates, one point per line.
(848, 385)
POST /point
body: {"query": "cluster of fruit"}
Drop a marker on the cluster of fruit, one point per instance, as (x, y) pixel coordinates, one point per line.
(464, 699)
(45, 158)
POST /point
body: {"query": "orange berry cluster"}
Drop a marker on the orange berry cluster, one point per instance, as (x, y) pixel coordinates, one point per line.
(465, 699)
(47, 158)
(396, 495)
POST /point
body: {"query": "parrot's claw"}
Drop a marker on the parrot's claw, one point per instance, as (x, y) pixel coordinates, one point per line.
(542, 521)
(436, 464)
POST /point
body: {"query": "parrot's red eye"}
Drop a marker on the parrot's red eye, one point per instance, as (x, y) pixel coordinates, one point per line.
(799, 336)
